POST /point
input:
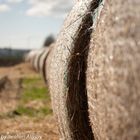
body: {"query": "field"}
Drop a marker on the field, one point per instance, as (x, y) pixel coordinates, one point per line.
(25, 105)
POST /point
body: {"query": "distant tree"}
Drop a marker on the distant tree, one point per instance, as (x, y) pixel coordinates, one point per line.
(49, 40)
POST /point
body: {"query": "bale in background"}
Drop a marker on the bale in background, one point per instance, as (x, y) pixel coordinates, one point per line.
(37, 58)
(42, 61)
(29, 57)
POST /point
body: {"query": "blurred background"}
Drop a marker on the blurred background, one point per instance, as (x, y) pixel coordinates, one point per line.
(26, 23)
(25, 103)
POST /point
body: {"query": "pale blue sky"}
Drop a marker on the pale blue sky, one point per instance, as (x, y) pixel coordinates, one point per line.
(26, 23)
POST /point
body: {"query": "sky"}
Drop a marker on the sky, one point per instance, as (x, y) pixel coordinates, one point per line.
(24, 24)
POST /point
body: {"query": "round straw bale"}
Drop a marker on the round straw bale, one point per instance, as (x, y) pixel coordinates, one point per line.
(112, 78)
(37, 57)
(43, 61)
(113, 73)
(65, 72)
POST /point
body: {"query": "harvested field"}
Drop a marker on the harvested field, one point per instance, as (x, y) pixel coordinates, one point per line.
(25, 105)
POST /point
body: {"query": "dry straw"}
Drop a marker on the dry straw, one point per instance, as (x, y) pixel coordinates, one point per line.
(113, 73)
(66, 66)
(96, 64)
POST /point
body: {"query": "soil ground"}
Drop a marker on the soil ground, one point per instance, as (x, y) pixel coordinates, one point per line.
(21, 127)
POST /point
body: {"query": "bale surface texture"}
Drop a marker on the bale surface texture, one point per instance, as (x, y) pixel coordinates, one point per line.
(113, 73)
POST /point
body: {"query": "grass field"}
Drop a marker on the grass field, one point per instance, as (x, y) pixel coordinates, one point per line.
(34, 100)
